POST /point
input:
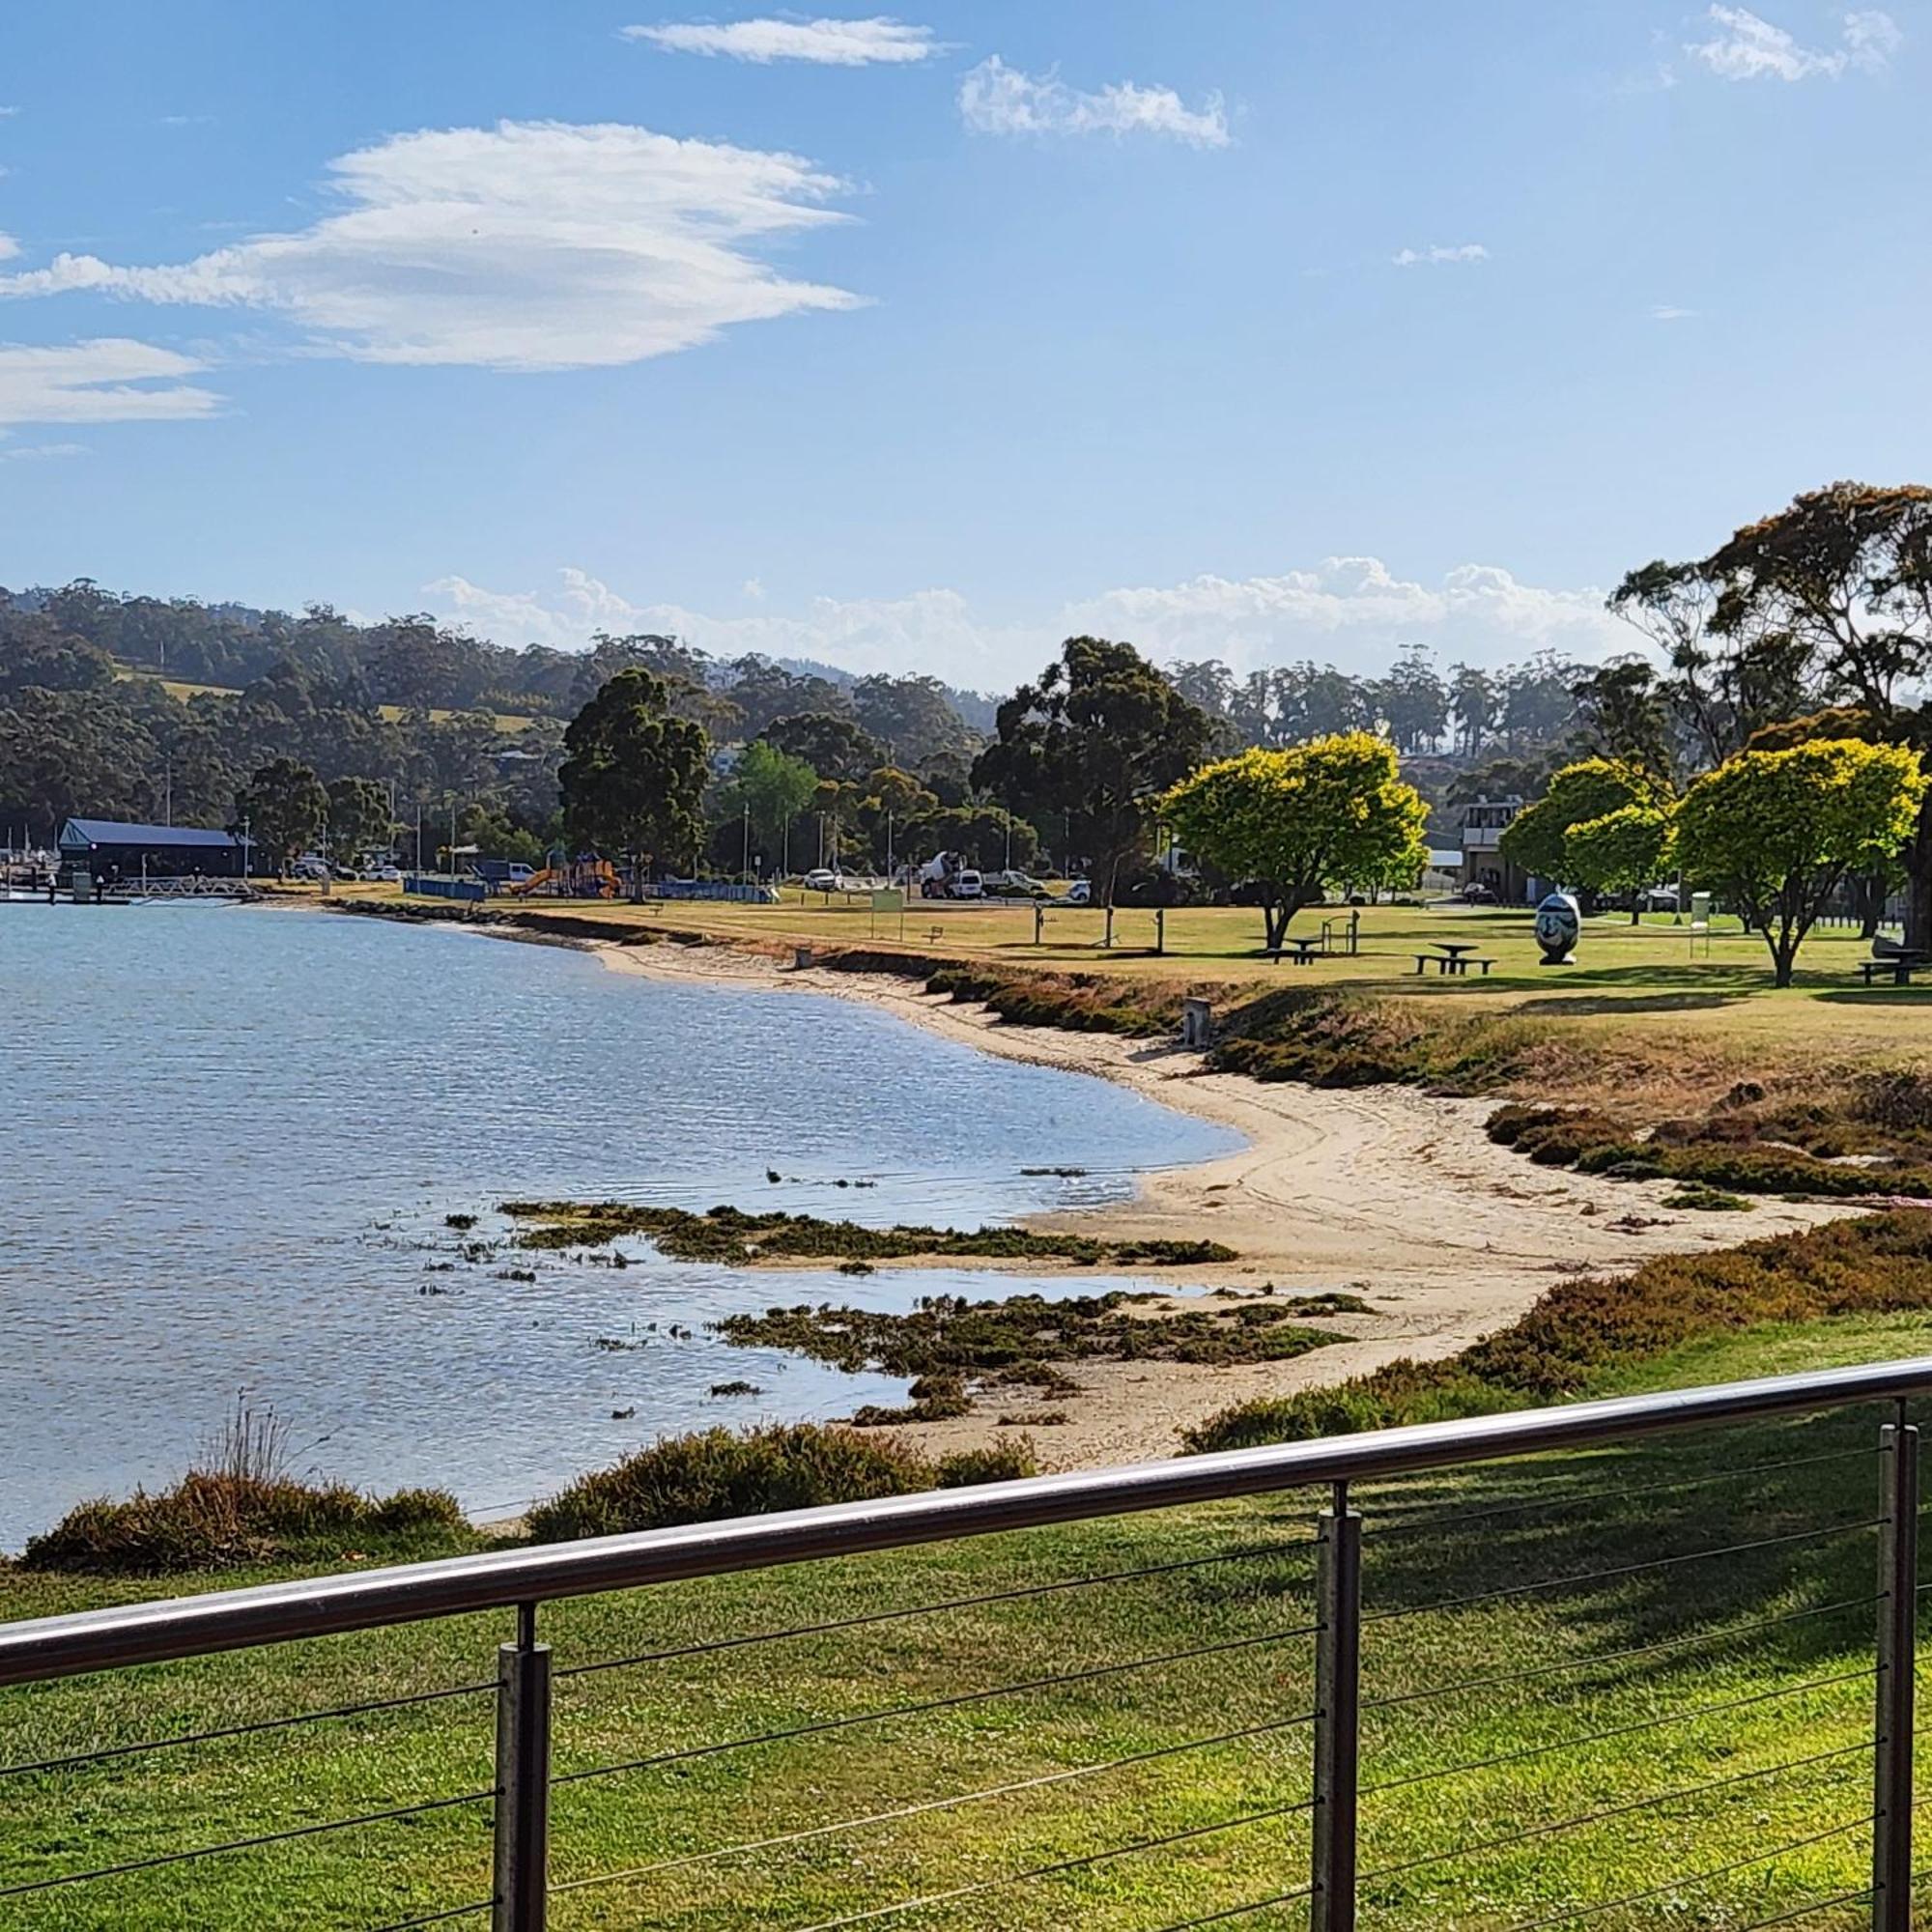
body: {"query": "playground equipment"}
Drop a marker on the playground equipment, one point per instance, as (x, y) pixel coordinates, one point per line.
(575, 879)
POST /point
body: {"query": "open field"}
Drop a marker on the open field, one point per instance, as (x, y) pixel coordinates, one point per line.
(183, 689)
(1636, 1655)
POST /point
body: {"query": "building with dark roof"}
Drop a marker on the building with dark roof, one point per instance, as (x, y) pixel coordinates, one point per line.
(110, 850)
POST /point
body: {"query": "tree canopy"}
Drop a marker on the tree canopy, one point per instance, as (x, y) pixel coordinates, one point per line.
(1088, 746)
(1332, 813)
(359, 818)
(1624, 851)
(1775, 832)
(283, 809)
(632, 779)
(1536, 839)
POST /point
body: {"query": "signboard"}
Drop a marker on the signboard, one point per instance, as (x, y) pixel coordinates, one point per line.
(889, 901)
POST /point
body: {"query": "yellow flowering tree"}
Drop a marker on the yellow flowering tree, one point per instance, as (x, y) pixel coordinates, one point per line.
(1775, 832)
(1334, 811)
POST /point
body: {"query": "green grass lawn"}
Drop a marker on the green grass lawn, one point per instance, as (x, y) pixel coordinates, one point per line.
(1105, 1762)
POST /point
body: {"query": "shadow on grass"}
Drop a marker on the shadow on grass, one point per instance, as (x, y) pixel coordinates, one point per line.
(1669, 1542)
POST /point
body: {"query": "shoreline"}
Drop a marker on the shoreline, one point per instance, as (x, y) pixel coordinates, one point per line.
(1384, 1192)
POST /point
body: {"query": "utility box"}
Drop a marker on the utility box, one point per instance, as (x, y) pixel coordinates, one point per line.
(1197, 1023)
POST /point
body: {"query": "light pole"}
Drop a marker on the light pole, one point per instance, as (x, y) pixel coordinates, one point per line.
(745, 866)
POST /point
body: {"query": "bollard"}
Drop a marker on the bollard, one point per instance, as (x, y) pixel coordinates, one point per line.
(1197, 1024)
(522, 1863)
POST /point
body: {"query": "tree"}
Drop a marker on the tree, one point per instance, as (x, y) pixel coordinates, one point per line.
(912, 716)
(1624, 851)
(985, 835)
(1839, 585)
(1775, 832)
(774, 788)
(1413, 700)
(632, 779)
(832, 745)
(1536, 839)
(1334, 811)
(1091, 744)
(283, 809)
(359, 818)
(1621, 715)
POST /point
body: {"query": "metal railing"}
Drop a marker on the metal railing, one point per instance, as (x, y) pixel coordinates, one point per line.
(1346, 1731)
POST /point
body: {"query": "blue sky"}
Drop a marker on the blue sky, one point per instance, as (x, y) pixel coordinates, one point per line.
(1262, 328)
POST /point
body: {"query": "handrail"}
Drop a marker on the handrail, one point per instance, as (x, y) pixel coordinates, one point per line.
(48, 1647)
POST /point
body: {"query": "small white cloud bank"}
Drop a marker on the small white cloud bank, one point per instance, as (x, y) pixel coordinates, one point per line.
(110, 379)
(1351, 609)
(1439, 256)
(995, 99)
(1746, 47)
(880, 40)
(526, 246)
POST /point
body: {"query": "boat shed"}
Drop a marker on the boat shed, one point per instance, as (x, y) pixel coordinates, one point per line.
(111, 850)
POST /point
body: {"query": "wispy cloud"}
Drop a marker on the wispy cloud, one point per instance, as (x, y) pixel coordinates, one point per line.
(527, 245)
(1670, 312)
(9, 247)
(1353, 609)
(825, 42)
(1746, 46)
(109, 380)
(33, 452)
(185, 120)
(1437, 255)
(995, 99)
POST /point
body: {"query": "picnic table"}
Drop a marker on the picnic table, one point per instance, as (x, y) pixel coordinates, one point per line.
(1300, 951)
(1453, 956)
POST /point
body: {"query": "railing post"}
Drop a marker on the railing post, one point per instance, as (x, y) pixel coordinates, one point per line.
(1338, 1592)
(523, 1780)
(1897, 1667)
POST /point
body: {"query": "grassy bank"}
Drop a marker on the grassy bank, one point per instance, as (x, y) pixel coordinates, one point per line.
(1542, 1522)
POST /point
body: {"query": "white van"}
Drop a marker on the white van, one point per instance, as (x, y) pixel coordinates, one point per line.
(967, 885)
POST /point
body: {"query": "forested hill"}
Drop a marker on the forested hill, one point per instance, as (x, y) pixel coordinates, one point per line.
(416, 663)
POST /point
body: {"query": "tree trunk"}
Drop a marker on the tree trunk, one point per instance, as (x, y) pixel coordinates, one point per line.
(1918, 884)
(1276, 915)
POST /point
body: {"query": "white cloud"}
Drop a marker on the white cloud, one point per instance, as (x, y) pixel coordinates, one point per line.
(1436, 255)
(109, 380)
(9, 247)
(826, 43)
(35, 451)
(1353, 610)
(1670, 312)
(526, 246)
(1749, 47)
(995, 99)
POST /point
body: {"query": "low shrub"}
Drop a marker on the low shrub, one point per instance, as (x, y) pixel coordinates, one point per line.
(719, 1474)
(1880, 1264)
(218, 1520)
(998, 1462)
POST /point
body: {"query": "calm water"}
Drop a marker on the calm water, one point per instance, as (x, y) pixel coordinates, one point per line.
(232, 1138)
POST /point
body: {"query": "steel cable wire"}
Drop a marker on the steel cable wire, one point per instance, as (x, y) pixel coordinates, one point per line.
(1626, 1570)
(1045, 1778)
(1728, 1631)
(1059, 1867)
(1619, 1732)
(820, 1726)
(1806, 1911)
(243, 1730)
(1241, 1911)
(711, 1646)
(1608, 1811)
(1697, 1878)
(252, 1843)
(437, 1918)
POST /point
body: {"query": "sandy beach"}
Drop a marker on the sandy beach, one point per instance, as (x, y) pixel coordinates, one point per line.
(1385, 1192)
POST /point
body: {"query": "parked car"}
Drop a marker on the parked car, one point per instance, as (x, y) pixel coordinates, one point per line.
(1477, 893)
(1015, 884)
(1079, 892)
(822, 879)
(388, 875)
(966, 885)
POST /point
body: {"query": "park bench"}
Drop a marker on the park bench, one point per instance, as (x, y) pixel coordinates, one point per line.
(1898, 966)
